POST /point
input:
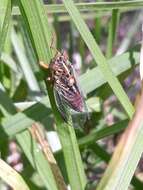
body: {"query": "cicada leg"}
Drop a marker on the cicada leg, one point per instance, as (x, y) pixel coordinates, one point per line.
(43, 65)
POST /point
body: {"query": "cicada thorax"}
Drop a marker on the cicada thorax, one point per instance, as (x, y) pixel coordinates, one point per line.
(65, 82)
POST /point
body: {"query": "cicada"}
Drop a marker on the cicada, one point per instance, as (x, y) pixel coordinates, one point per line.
(66, 88)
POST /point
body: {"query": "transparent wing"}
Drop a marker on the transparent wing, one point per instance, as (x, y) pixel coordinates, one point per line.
(60, 104)
(78, 119)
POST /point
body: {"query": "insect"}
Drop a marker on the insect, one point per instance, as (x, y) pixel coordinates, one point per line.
(65, 84)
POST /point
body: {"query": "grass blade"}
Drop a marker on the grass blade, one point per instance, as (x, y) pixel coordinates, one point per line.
(99, 58)
(112, 32)
(94, 6)
(9, 62)
(35, 16)
(5, 16)
(11, 177)
(104, 132)
(27, 70)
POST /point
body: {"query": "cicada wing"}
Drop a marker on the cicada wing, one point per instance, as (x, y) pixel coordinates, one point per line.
(60, 104)
(85, 108)
(62, 107)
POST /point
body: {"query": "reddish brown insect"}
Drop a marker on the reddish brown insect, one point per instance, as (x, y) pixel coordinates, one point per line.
(65, 83)
(66, 89)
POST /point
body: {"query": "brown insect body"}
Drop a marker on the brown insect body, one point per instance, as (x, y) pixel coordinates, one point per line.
(65, 82)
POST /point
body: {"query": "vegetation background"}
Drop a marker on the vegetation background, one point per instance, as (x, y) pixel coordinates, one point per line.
(103, 41)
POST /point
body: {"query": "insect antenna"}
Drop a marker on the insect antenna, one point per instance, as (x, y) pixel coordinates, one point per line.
(53, 44)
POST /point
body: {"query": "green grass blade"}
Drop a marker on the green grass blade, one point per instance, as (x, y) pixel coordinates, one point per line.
(63, 18)
(8, 60)
(5, 16)
(99, 58)
(25, 66)
(102, 6)
(112, 32)
(38, 26)
(24, 119)
(104, 132)
(11, 177)
(97, 30)
(5, 102)
(34, 15)
(97, 6)
(90, 82)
